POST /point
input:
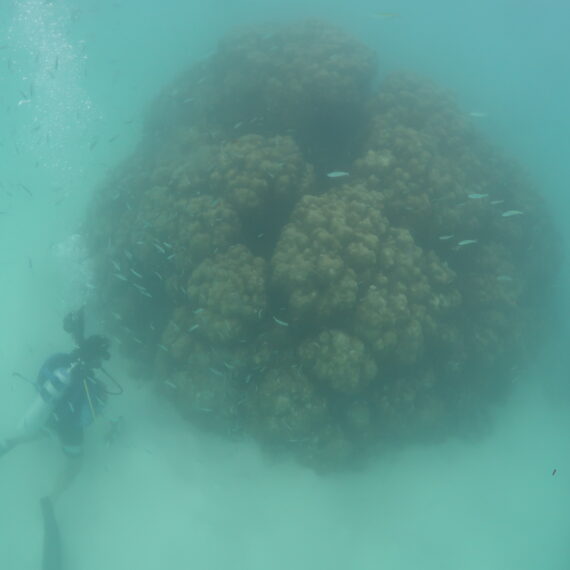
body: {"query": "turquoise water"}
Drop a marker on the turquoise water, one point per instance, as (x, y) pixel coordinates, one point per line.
(76, 79)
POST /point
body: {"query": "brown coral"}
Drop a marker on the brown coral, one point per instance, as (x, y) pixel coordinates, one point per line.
(254, 173)
(322, 317)
(338, 361)
(328, 250)
(229, 291)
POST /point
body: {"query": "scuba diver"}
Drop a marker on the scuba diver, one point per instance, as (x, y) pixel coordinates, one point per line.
(69, 397)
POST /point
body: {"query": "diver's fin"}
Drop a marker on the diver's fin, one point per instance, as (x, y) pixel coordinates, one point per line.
(52, 558)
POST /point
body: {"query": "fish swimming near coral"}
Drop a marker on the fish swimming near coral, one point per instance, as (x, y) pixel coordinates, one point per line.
(52, 558)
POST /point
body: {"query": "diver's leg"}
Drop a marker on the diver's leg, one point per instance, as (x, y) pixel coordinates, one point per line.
(71, 438)
(30, 428)
(66, 477)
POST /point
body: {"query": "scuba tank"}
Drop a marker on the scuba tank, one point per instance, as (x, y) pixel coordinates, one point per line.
(51, 389)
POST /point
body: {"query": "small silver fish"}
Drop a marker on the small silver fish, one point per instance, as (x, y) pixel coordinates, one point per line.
(193, 328)
(495, 202)
(135, 273)
(476, 196)
(337, 174)
(466, 242)
(443, 238)
(510, 213)
(120, 276)
(282, 323)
